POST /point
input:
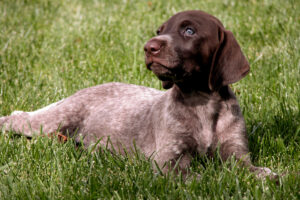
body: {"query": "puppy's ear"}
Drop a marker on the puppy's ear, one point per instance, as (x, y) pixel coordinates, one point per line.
(167, 84)
(229, 64)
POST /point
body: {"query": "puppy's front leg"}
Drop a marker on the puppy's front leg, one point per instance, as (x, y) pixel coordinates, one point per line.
(233, 142)
(178, 163)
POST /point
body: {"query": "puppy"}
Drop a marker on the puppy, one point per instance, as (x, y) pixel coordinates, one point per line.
(196, 59)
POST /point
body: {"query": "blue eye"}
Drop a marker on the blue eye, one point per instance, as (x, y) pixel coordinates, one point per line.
(189, 31)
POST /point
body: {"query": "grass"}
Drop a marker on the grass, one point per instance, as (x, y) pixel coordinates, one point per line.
(51, 48)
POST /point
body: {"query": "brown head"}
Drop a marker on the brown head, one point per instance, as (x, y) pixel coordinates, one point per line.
(194, 51)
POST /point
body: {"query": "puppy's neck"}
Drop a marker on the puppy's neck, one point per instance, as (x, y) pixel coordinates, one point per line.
(198, 97)
(195, 83)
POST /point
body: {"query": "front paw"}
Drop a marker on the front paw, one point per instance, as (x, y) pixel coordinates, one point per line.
(263, 172)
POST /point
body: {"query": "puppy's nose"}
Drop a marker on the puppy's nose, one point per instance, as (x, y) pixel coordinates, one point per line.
(152, 47)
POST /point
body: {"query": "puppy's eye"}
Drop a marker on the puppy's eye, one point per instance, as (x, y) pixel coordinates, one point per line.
(189, 31)
(157, 32)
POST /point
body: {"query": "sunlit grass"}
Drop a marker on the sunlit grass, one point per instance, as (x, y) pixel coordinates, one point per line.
(51, 48)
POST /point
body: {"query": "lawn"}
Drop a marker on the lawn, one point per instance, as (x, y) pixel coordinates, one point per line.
(49, 49)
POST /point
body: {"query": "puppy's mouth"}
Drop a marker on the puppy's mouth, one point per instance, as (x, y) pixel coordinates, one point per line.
(163, 72)
(166, 68)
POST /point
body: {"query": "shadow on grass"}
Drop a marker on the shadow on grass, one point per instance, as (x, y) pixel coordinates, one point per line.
(275, 142)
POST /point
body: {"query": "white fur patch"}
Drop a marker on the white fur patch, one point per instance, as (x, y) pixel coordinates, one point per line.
(16, 112)
(44, 108)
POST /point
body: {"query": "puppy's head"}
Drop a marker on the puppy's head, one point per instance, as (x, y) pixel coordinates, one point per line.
(193, 49)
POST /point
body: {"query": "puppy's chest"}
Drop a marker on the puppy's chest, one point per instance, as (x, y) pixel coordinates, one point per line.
(195, 129)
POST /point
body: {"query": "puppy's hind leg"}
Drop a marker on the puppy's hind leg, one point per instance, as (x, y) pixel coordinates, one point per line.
(18, 122)
(47, 120)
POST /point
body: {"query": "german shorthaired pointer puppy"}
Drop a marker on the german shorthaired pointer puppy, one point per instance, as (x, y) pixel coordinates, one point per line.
(196, 58)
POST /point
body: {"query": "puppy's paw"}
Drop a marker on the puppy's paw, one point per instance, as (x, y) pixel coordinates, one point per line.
(263, 172)
(193, 176)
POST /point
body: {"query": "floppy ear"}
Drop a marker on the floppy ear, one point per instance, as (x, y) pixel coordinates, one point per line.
(229, 64)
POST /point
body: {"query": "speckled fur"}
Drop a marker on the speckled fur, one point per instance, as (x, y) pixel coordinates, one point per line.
(194, 116)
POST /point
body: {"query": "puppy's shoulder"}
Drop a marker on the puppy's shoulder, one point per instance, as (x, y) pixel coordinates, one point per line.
(229, 103)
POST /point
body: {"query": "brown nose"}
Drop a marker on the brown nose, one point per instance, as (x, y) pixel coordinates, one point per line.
(152, 47)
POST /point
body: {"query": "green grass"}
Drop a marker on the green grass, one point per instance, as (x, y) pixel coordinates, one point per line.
(51, 48)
